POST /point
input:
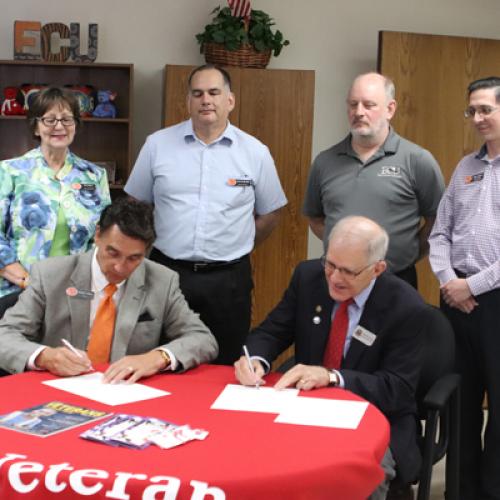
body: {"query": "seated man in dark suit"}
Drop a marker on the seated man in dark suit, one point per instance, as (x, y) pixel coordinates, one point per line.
(107, 305)
(354, 327)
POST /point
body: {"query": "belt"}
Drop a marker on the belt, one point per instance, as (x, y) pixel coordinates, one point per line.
(202, 266)
(460, 274)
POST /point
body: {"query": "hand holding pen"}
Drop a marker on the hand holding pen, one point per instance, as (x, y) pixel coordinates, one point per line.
(82, 355)
(64, 361)
(248, 371)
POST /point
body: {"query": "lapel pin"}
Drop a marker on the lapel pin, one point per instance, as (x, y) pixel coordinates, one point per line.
(71, 291)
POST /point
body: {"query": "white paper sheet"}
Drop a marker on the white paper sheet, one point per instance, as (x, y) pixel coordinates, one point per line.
(323, 412)
(262, 399)
(91, 386)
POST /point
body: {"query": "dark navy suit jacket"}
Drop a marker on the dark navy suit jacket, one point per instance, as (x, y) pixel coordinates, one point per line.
(385, 373)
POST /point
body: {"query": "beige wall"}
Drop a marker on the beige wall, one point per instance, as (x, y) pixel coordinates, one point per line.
(336, 39)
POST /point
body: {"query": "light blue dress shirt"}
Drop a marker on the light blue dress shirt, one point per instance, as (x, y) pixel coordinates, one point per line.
(206, 196)
(355, 310)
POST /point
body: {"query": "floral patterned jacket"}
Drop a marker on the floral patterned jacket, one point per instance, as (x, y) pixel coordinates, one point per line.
(30, 196)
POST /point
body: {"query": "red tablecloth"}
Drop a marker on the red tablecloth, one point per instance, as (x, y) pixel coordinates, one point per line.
(245, 456)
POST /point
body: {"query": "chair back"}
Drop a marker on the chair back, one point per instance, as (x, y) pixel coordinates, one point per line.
(439, 352)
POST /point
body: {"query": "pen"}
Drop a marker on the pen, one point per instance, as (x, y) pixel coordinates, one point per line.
(71, 348)
(249, 361)
(74, 350)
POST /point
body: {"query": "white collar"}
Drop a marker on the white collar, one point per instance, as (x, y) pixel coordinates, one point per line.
(99, 281)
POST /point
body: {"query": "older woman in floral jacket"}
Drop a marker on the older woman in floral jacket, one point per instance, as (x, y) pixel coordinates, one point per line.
(50, 199)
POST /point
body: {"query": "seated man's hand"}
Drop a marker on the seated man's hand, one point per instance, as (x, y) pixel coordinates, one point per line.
(304, 377)
(63, 362)
(133, 368)
(245, 375)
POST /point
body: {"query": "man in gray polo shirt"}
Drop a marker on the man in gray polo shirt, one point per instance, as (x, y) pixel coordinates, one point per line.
(376, 173)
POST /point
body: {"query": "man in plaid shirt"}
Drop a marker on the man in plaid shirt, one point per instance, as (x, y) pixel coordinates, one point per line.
(465, 256)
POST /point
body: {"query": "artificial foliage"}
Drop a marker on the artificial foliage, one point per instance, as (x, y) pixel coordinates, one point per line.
(233, 32)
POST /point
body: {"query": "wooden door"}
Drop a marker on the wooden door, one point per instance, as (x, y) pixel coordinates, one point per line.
(431, 73)
(276, 106)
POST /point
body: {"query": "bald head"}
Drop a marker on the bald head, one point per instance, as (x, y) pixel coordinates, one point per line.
(376, 79)
(363, 233)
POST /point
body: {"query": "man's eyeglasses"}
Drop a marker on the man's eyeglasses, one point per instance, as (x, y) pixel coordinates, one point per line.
(482, 111)
(345, 273)
(50, 121)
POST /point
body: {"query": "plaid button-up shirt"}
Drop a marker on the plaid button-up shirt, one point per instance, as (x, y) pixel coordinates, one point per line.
(466, 234)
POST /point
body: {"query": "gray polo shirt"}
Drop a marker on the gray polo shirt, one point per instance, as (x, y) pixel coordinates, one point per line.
(398, 185)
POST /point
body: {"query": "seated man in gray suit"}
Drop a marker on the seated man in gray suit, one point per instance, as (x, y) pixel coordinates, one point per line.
(109, 304)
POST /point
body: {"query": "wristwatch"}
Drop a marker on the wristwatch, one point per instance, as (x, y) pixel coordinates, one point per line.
(166, 358)
(333, 377)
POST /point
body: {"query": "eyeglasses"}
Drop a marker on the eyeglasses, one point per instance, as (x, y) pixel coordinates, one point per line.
(50, 121)
(345, 273)
(482, 111)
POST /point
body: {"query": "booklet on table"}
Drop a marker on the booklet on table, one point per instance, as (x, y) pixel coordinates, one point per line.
(49, 418)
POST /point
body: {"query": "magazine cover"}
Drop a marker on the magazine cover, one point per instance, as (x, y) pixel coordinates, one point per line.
(49, 418)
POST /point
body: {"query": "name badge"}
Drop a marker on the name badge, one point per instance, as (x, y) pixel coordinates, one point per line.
(79, 294)
(364, 336)
(241, 182)
(469, 179)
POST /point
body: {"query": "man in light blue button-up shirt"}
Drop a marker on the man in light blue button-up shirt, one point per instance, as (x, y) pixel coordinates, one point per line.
(216, 194)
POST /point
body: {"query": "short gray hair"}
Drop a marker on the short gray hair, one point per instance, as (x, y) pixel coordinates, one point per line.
(372, 234)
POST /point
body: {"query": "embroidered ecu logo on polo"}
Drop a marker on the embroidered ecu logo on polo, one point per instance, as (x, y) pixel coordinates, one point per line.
(389, 171)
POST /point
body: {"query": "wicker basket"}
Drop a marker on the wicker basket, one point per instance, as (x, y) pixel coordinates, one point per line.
(246, 56)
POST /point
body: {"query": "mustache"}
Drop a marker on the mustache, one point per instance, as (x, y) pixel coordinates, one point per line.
(359, 120)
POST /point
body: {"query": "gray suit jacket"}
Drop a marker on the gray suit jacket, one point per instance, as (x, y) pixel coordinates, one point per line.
(152, 312)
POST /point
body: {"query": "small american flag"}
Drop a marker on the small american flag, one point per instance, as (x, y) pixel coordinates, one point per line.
(240, 8)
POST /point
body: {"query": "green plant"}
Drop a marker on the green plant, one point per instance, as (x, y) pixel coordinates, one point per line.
(232, 33)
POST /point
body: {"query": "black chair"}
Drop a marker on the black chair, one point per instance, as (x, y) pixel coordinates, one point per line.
(438, 400)
(7, 302)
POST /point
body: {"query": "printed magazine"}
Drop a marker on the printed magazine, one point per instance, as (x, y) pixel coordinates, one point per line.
(49, 418)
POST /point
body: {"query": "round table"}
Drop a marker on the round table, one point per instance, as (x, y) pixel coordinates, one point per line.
(245, 456)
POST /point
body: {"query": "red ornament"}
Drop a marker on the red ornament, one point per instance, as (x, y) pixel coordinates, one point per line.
(11, 106)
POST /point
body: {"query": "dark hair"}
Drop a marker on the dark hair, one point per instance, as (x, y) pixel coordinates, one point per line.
(491, 82)
(46, 99)
(134, 219)
(204, 67)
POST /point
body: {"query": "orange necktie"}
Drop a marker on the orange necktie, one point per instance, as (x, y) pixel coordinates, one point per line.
(101, 334)
(334, 351)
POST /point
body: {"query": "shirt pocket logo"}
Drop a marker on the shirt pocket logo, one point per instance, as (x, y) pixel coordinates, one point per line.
(389, 171)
